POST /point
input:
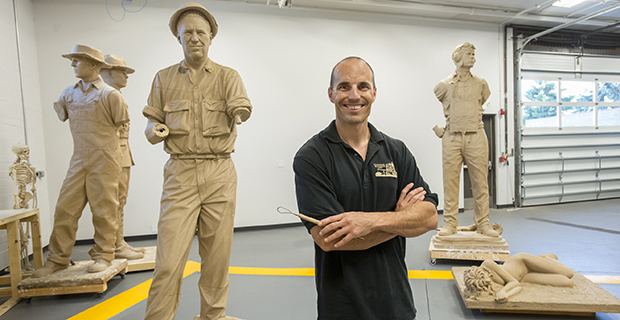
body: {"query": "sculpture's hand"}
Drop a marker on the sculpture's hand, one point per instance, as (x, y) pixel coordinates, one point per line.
(161, 130)
(238, 119)
(439, 132)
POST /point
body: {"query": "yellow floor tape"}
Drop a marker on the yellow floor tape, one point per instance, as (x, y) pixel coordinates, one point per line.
(128, 298)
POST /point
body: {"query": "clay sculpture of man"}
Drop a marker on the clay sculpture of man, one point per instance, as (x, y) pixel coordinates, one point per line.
(95, 112)
(464, 140)
(115, 75)
(505, 281)
(194, 107)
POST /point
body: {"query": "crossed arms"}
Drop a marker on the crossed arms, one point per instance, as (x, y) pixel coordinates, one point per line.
(351, 231)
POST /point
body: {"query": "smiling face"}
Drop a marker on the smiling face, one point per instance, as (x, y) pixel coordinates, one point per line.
(194, 34)
(352, 91)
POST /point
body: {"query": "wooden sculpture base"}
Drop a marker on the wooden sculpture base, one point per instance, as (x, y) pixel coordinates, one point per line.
(74, 279)
(146, 263)
(468, 245)
(584, 299)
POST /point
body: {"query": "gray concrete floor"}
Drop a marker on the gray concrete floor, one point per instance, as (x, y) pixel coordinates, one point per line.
(585, 236)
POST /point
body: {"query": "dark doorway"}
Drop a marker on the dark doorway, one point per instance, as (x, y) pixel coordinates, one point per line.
(489, 127)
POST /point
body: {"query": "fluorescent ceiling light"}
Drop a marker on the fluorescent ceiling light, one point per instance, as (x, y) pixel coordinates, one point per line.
(567, 3)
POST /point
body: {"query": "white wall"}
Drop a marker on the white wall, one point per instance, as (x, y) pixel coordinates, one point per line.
(285, 57)
(14, 127)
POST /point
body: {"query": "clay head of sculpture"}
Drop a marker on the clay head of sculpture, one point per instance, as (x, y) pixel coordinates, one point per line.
(478, 282)
(86, 62)
(464, 56)
(194, 27)
(116, 72)
(352, 90)
(22, 152)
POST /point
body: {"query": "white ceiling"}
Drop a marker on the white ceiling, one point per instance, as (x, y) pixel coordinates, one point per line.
(527, 12)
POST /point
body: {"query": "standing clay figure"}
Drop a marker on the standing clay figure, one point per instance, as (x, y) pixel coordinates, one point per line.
(23, 174)
(504, 281)
(115, 75)
(194, 107)
(463, 139)
(95, 112)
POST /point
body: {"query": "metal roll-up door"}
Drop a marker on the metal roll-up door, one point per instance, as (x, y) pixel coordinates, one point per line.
(568, 127)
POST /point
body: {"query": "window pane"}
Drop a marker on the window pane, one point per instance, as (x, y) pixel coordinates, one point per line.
(539, 90)
(577, 116)
(609, 116)
(577, 91)
(537, 117)
(608, 91)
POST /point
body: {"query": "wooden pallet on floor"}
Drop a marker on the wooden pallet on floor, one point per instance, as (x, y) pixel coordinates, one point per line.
(146, 263)
(584, 299)
(75, 279)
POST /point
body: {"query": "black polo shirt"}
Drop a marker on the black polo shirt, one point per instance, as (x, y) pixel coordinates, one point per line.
(331, 178)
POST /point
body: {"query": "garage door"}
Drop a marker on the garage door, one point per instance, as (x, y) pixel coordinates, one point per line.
(568, 128)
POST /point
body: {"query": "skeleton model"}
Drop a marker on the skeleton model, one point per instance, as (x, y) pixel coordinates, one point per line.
(24, 175)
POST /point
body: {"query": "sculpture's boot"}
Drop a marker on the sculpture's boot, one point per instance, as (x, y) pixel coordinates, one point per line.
(140, 250)
(49, 268)
(98, 266)
(127, 253)
(486, 230)
(447, 229)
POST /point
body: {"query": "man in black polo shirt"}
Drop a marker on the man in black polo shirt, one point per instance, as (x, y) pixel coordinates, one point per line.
(366, 189)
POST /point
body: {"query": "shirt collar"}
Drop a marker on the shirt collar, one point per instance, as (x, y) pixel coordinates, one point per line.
(97, 83)
(331, 133)
(209, 66)
(456, 78)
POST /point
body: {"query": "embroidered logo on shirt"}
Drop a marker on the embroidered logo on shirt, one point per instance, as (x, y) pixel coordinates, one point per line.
(385, 170)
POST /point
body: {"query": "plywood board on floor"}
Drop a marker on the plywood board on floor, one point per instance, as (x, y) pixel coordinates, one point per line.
(74, 279)
(146, 263)
(585, 298)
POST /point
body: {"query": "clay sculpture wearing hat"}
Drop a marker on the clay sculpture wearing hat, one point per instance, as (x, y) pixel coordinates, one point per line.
(116, 71)
(194, 108)
(115, 74)
(95, 112)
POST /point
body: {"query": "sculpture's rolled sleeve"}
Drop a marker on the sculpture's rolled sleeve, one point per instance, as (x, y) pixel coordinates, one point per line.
(440, 90)
(236, 97)
(117, 108)
(153, 111)
(60, 107)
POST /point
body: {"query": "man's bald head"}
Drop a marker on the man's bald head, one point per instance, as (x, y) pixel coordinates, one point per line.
(335, 69)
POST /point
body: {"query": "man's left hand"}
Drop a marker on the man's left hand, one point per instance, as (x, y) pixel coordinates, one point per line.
(347, 226)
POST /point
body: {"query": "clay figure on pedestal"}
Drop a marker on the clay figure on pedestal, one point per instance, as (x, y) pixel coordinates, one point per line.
(194, 107)
(115, 75)
(464, 140)
(95, 112)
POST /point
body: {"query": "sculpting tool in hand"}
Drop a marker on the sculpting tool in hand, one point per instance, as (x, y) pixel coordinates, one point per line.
(283, 210)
